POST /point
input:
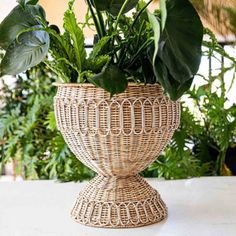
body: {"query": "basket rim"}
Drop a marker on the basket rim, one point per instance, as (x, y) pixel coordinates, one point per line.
(130, 84)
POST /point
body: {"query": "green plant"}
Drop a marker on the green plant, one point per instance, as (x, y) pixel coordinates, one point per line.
(161, 47)
(204, 144)
(27, 130)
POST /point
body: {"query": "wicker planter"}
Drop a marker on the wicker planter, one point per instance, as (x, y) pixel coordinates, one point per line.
(117, 138)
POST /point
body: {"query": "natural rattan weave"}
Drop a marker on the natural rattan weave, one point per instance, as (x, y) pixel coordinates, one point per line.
(117, 137)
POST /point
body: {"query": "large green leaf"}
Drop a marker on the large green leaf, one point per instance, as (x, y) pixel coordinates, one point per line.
(77, 36)
(19, 19)
(27, 51)
(112, 79)
(174, 89)
(114, 6)
(180, 43)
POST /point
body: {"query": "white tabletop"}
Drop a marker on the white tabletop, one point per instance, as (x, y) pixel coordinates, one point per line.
(197, 207)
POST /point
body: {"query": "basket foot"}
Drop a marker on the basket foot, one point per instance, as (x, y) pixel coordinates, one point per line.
(122, 202)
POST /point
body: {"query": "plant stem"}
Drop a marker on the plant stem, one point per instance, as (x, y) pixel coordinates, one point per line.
(120, 13)
(140, 12)
(95, 20)
(145, 45)
(101, 21)
(116, 24)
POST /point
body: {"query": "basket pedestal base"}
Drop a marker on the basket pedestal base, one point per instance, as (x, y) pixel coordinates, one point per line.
(118, 202)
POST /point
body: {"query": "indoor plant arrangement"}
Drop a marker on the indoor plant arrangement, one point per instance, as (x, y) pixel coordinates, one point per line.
(113, 125)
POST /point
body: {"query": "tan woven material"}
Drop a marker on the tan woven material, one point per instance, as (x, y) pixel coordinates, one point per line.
(117, 137)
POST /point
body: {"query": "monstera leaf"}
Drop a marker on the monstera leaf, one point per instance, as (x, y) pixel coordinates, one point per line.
(112, 79)
(20, 18)
(114, 6)
(179, 47)
(27, 51)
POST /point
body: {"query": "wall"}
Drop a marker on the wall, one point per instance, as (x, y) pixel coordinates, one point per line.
(5, 7)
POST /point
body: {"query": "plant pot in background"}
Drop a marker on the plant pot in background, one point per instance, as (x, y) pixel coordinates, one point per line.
(117, 137)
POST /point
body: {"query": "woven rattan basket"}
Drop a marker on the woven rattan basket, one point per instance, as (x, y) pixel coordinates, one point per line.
(117, 137)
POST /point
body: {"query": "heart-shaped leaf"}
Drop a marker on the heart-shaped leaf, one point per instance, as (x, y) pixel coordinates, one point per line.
(180, 43)
(179, 48)
(19, 19)
(174, 89)
(112, 79)
(114, 6)
(25, 52)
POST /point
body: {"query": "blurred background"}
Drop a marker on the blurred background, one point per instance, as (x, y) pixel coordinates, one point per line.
(204, 145)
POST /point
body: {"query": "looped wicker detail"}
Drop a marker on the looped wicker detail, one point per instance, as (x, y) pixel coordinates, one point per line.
(118, 202)
(121, 214)
(92, 209)
(115, 116)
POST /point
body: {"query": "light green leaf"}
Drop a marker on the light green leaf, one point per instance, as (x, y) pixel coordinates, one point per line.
(163, 13)
(96, 64)
(99, 46)
(27, 51)
(156, 29)
(77, 36)
(112, 79)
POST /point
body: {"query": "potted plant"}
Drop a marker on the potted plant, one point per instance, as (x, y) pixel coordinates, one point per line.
(117, 107)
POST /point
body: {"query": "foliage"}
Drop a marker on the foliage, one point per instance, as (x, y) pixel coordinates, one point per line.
(161, 47)
(137, 47)
(201, 146)
(204, 144)
(28, 134)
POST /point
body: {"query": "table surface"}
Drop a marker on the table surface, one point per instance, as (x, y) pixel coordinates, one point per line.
(197, 207)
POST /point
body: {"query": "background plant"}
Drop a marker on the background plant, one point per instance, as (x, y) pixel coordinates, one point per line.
(205, 142)
(28, 132)
(203, 145)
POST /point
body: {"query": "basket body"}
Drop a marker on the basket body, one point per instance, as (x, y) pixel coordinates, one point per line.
(117, 137)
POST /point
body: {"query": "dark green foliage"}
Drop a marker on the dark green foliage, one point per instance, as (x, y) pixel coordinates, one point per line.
(114, 6)
(19, 19)
(179, 53)
(28, 132)
(144, 47)
(29, 49)
(164, 47)
(22, 37)
(106, 80)
(203, 144)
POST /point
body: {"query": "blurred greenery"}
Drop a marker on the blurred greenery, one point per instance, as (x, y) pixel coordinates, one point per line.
(203, 145)
(28, 134)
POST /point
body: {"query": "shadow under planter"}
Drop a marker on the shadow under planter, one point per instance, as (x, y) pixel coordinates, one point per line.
(117, 137)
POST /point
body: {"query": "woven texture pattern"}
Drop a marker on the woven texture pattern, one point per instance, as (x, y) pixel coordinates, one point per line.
(117, 137)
